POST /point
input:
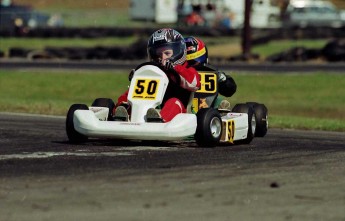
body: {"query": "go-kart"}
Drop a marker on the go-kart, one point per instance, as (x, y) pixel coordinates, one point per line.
(147, 89)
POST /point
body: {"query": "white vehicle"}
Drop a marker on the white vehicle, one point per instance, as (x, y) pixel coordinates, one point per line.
(313, 13)
(147, 90)
(263, 14)
(154, 10)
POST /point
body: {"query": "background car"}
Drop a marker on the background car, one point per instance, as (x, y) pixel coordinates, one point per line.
(22, 18)
(317, 13)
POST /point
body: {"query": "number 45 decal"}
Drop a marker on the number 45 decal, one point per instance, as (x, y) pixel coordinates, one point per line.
(145, 89)
(208, 82)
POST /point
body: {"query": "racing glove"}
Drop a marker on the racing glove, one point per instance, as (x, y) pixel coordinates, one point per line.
(169, 65)
(221, 76)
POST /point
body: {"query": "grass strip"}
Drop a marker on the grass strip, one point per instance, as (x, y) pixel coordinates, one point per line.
(302, 101)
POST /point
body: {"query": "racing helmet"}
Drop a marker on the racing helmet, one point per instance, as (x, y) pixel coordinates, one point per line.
(168, 38)
(196, 51)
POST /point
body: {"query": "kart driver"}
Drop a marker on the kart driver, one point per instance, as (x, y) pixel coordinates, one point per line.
(167, 48)
(197, 57)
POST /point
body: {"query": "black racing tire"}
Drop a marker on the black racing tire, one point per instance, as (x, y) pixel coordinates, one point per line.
(245, 108)
(209, 127)
(105, 102)
(261, 117)
(73, 135)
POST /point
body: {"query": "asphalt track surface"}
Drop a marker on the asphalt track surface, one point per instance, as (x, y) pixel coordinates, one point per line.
(287, 175)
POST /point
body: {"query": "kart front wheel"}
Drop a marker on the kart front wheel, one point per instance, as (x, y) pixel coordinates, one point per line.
(209, 128)
(73, 135)
(245, 108)
(105, 102)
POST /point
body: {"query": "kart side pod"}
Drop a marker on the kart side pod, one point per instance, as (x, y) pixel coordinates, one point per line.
(235, 127)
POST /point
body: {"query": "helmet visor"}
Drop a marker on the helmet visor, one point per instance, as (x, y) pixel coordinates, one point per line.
(155, 52)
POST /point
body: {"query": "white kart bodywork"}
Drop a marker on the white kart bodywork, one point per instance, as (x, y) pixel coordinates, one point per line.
(235, 127)
(93, 122)
(86, 122)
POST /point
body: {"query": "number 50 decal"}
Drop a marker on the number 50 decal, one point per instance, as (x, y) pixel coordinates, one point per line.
(145, 89)
(208, 83)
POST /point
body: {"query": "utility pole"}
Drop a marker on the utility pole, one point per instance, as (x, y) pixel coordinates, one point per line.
(246, 32)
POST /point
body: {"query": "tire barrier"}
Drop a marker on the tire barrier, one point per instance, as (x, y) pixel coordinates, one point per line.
(98, 32)
(136, 51)
(295, 54)
(333, 51)
(259, 35)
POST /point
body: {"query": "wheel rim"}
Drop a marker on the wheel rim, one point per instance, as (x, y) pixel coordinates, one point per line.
(253, 122)
(266, 122)
(216, 127)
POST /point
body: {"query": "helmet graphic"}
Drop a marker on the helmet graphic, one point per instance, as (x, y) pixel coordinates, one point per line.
(170, 39)
(196, 51)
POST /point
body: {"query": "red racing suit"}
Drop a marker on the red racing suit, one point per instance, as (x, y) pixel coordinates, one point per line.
(183, 81)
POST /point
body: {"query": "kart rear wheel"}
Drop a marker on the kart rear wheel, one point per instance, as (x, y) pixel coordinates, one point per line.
(209, 128)
(245, 108)
(261, 117)
(73, 135)
(105, 102)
